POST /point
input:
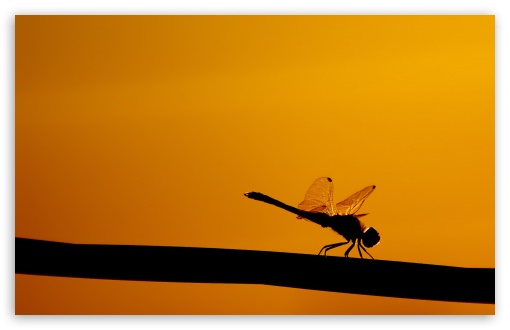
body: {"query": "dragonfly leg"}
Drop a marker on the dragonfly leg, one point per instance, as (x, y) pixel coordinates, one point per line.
(366, 251)
(349, 249)
(359, 250)
(331, 246)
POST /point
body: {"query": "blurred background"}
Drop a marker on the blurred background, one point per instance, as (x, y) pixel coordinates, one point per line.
(148, 130)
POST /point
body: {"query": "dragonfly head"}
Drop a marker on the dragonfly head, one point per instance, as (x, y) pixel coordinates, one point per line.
(370, 237)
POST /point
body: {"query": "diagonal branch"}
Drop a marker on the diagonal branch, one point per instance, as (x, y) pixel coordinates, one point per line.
(207, 265)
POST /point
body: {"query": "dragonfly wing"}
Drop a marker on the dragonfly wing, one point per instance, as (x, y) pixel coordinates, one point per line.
(353, 203)
(319, 197)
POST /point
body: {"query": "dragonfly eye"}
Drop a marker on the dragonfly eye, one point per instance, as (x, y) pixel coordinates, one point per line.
(370, 237)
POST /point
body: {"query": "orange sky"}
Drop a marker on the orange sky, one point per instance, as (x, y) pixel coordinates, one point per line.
(149, 129)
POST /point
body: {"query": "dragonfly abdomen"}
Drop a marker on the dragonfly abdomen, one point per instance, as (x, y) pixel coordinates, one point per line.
(319, 218)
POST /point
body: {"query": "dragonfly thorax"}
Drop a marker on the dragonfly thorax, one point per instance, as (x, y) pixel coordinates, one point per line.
(348, 226)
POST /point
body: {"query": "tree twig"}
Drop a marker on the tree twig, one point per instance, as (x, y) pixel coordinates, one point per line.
(209, 265)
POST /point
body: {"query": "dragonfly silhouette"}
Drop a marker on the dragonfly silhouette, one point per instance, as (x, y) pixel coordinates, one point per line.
(319, 208)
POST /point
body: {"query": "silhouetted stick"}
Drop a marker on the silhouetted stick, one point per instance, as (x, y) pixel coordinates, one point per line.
(206, 265)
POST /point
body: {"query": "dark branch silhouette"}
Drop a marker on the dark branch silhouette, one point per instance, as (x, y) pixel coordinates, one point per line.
(208, 265)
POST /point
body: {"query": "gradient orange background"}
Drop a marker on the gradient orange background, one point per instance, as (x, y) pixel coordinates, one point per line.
(149, 129)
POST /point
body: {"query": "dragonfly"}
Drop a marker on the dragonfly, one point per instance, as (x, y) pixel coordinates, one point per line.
(318, 207)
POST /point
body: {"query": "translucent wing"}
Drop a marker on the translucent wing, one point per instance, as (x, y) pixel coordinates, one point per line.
(353, 203)
(319, 197)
